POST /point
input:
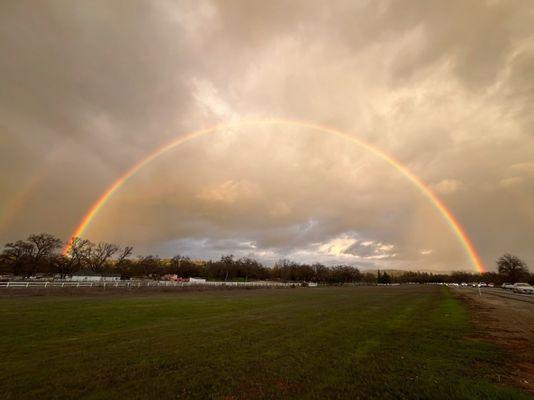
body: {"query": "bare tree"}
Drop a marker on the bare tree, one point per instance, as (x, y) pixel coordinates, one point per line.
(78, 252)
(44, 245)
(100, 254)
(512, 267)
(149, 266)
(123, 255)
(18, 255)
(27, 256)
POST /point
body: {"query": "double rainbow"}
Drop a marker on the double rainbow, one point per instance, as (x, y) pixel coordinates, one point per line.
(423, 188)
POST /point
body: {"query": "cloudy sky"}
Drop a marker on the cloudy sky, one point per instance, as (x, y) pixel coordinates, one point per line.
(89, 88)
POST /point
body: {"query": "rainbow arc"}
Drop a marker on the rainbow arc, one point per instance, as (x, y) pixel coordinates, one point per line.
(415, 180)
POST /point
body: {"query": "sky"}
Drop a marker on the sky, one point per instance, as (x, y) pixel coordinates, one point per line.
(90, 88)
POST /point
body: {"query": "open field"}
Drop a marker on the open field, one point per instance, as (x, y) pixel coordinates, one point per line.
(366, 342)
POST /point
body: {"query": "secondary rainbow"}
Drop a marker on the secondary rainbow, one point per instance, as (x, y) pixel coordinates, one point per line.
(9, 211)
(424, 189)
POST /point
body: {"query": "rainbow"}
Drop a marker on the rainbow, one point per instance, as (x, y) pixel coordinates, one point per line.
(10, 210)
(423, 188)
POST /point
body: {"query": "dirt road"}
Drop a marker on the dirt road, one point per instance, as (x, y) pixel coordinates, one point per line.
(507, 294)
(508, 320)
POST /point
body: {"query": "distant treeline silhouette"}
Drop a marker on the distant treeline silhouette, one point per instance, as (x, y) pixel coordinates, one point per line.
(41, 254)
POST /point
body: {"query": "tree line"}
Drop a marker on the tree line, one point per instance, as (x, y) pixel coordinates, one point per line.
(42, 254)
(510, 269)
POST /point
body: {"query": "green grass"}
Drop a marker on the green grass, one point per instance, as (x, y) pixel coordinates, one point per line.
(376, 342)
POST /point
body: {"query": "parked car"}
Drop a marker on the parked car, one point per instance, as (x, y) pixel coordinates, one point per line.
(508, 286)
(491, 285)
(523, 287)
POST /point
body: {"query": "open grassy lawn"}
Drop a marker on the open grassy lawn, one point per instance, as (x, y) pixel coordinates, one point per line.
(369, 342)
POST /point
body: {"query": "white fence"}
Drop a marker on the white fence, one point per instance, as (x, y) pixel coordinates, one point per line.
(136, 284)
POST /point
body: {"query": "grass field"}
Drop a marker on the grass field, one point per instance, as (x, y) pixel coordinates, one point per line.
(369, 342)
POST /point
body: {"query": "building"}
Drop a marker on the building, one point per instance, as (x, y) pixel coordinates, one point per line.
(197, 280)
(93, 278)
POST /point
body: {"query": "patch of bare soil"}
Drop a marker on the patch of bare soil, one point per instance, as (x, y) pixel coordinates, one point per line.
(509, 324)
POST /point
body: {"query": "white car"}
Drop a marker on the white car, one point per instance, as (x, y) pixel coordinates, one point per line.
(508, 286)
(522, 287)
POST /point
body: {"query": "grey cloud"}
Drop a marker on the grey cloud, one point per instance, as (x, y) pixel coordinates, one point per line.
(370, 249)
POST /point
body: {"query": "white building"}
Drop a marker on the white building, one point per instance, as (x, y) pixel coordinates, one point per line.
(93, 278)
(197, 280)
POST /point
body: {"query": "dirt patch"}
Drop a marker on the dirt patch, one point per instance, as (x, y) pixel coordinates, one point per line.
(509, 324)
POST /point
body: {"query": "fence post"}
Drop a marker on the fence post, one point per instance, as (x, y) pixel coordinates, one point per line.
(7, 284)
(46, 284)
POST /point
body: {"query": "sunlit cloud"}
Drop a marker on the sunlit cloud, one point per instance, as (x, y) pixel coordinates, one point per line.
(229, 192)
(447, 186)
